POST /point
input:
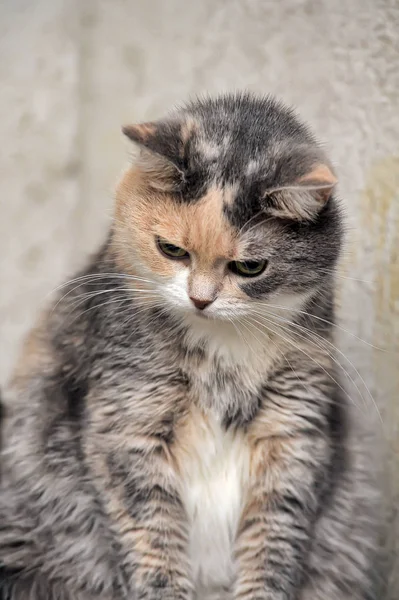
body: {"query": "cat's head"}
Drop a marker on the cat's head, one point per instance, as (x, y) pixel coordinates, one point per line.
(229, 206)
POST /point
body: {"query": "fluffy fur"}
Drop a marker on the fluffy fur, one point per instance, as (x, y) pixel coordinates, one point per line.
(155, 450)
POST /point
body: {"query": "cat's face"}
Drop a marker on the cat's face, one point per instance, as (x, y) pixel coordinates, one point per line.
(217, 228)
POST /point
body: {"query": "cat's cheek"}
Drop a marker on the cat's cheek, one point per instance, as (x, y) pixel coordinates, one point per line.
(285, 304)
(175, 291)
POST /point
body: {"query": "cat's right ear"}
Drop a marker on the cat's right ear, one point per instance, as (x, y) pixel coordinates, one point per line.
(160, 159)
(305, 197)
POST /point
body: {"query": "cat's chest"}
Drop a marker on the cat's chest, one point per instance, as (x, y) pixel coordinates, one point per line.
(213, 471)
(229, 392)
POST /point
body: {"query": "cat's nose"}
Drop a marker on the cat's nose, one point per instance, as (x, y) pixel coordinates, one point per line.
(200, 304)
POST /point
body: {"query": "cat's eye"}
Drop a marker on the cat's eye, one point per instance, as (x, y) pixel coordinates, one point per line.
(248, 268)
(172, 251)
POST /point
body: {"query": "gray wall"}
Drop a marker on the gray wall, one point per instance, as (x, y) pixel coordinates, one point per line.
(72, 72)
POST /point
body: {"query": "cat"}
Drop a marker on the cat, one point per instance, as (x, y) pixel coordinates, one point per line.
(176, 427)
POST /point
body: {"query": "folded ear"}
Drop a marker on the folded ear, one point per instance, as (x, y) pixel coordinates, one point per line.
(160, 158)
(304, 199)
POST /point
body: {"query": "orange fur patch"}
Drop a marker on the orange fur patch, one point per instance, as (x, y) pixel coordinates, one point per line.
(188, 435)
(207, 231)
(319, 175)
(200, 228)
(187, 129)
(140, 133)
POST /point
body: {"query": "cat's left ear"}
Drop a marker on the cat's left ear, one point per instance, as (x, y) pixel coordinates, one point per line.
(161, 157)
(305, 197)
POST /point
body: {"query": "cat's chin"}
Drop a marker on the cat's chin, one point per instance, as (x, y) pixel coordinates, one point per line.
(200, 319)
(198, 316)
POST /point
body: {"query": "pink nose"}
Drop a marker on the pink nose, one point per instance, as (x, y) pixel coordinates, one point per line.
(200, 304)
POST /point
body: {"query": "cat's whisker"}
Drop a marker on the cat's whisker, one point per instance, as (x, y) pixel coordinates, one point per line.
(336, 273)
(91, 281)
(251, 332)
(289, 341)
(269, 318)
(300, 381)
(96, 306)
(125, 297)
(321, 343)
(268, 337)
(313, 316)
(289, 363)
(131, 291)
(240, 333)
(119, 300)
(96, 276)
(145, 304)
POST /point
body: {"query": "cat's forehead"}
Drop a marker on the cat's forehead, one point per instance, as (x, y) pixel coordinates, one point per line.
(233, 175)
(201, 227)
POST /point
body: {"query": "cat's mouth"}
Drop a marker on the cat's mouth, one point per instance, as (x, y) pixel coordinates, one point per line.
(201, 314)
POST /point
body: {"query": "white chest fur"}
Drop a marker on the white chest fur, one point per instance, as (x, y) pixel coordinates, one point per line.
(214, 473)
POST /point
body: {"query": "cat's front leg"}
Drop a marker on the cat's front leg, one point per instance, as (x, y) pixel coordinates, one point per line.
(146, 509)
(275, 530)
(160, 543)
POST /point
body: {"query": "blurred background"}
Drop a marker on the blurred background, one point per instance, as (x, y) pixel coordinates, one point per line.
(73, 71)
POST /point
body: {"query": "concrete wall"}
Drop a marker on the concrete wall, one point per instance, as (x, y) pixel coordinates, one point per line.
(72, 71)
